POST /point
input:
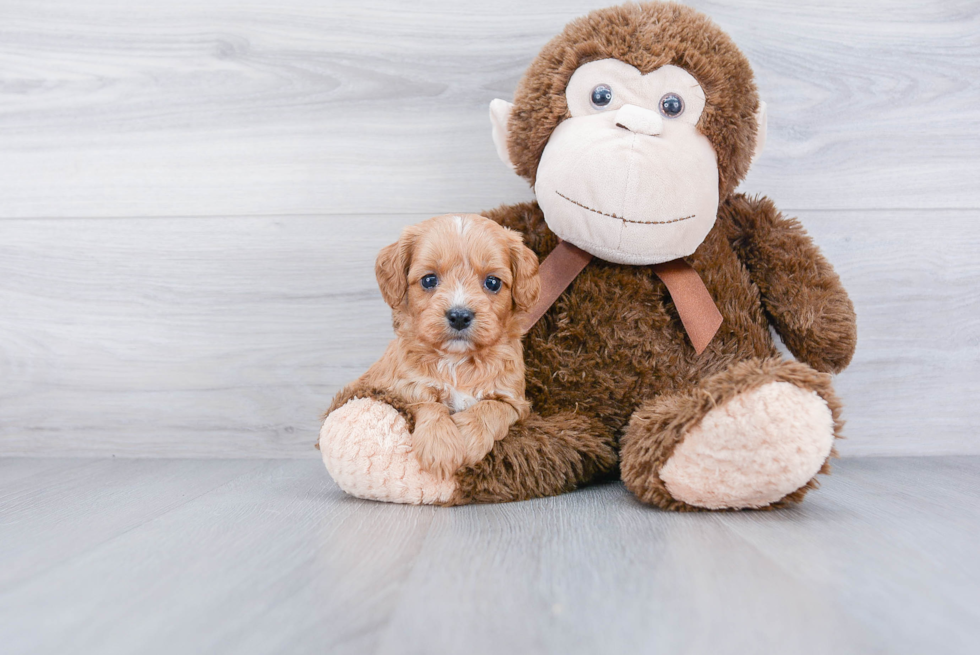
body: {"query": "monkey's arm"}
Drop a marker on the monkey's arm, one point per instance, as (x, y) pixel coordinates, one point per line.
(540, 456)
(801, 292)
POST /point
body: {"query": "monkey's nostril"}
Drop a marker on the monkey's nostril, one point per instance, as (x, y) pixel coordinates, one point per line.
(459, 318)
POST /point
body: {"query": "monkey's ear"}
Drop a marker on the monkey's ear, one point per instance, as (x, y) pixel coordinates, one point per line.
(391, 269)
(760, 133)
(499, 116)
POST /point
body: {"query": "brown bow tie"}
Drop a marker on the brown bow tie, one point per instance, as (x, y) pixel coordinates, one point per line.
(697, 310)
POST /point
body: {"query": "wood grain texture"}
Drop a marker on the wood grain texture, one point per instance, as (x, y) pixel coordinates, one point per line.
(915, 283)
(228, 337)
(279, 148)
(13, 470)
(45, 521)
(913, 587)
(277, 559)
(120, 108)
(215, 337)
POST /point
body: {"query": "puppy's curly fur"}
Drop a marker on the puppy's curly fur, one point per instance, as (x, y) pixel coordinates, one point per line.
(461, 389)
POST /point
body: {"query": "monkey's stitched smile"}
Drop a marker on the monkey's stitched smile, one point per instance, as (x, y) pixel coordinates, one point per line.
(620, 218)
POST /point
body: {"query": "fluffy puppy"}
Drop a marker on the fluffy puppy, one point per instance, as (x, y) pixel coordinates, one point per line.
(459, 287)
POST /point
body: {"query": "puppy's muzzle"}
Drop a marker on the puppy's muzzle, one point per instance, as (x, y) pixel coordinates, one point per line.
(459, 318)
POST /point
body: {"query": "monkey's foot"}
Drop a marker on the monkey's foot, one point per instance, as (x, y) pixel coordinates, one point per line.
(753, 450)
(367, 449)
(754, 436)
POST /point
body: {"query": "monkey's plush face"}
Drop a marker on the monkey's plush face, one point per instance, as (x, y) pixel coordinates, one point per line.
(628, 177)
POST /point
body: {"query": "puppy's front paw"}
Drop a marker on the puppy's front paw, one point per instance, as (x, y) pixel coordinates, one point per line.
(439, 447)
(476, 435)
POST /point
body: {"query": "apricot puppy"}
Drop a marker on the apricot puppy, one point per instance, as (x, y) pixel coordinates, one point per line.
(459, 287)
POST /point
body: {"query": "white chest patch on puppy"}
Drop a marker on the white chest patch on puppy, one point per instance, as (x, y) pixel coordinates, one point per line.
(449, 366)
(453, 398)
(459, 401)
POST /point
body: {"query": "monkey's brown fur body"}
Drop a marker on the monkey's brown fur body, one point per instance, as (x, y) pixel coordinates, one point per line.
(612, 350)
(611, 375)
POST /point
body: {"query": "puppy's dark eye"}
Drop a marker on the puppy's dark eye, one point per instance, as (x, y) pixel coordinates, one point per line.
(601, 96)
(429, 281)
(671, 105)
(492, 284)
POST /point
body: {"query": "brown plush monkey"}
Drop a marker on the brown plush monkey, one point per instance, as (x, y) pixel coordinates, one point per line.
(635, 125)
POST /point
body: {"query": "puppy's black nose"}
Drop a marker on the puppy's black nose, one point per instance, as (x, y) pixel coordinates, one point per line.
(459, 318)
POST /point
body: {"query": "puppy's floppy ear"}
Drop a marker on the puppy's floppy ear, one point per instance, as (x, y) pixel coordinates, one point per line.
(391, 269)
(524, 267)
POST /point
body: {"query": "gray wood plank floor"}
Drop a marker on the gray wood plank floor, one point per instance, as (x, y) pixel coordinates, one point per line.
(260, 556)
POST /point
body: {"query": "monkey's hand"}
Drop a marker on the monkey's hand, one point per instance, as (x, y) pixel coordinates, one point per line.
(437, 442)
(483, 424)
(801, 293)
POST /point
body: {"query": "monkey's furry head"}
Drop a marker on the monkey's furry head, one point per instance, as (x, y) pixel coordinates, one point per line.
(647, 36)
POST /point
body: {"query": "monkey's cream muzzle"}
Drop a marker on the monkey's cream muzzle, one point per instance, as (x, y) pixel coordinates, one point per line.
(629, 187)
(627, 177)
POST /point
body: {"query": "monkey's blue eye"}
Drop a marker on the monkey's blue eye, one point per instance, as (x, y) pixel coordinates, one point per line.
(429, 281)
(671, 105)
(601, 96)
(492, 284)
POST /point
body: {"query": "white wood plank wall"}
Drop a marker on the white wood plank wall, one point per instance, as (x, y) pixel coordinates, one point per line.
(192, 195)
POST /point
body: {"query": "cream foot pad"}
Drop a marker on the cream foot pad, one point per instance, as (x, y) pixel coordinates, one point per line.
(367, 449)
(753, 450)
